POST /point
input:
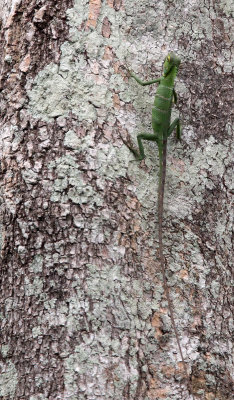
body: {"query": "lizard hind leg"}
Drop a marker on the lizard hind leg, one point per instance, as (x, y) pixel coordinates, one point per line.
(133, 149)
(140, 155)
(144, 136)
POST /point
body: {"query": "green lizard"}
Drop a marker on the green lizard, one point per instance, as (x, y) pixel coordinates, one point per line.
(162, 127)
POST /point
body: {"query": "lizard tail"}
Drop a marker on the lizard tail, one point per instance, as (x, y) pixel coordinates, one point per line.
(162, 178)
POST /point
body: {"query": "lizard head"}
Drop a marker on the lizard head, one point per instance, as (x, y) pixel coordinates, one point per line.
(170, 61)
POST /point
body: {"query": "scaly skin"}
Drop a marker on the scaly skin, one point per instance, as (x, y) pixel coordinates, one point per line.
(162, 128)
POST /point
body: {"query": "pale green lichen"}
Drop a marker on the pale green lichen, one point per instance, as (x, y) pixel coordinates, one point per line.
(37, 331)
(227, 6)
(54, 95)
(87, 357)
(4, 350)
(33, 288)
(72, 141)
(8, 380)
(30, 176)
(70, 184)
(36, 265)
(71, 86)
(112, 162)
(131, 313)
(101, 287)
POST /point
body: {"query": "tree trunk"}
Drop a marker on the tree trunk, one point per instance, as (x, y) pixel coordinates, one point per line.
(83, 309)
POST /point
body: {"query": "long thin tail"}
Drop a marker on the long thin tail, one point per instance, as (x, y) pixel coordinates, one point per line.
(162, 177)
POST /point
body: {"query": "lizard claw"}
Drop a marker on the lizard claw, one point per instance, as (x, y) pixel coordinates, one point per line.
(133, 150)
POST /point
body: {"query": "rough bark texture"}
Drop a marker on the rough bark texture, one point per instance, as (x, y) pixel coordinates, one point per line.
(83, 311)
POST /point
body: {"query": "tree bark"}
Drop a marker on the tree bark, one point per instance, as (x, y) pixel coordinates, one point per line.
(83, 310)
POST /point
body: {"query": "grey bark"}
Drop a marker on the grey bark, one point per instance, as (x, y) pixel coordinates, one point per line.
(83, 311)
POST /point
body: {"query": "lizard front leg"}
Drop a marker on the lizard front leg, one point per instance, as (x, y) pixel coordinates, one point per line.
(175, 123)
(144, 83)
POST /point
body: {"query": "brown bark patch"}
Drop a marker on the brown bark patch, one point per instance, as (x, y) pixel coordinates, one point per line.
(108, 53)
(155, 392)
(157, 324)
(116, 4)
(38, 31)
(39, 15)
(116, 101)
(94, 11)
(184, 274)
(106, 28)
(24, 65)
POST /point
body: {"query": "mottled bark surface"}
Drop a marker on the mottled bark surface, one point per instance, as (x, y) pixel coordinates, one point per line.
(83, 311)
